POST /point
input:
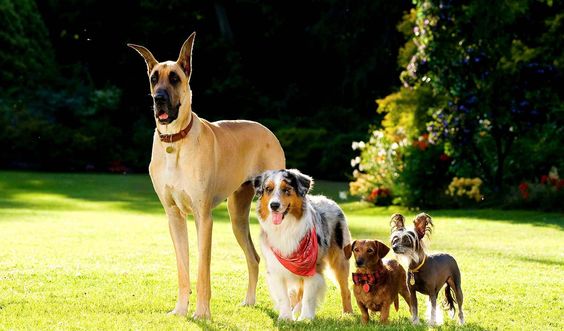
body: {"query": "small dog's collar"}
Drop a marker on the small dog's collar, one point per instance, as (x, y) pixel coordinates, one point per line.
(170, 138)
(368, 280)
(419, 266)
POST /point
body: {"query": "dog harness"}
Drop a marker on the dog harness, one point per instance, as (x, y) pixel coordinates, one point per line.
(369, 281)
(303, 260)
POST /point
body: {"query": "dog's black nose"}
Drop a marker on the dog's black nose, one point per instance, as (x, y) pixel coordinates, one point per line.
(161, 97)
(275, 205)
(359, 262)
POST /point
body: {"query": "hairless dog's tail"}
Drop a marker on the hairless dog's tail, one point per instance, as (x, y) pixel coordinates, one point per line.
(449, 299)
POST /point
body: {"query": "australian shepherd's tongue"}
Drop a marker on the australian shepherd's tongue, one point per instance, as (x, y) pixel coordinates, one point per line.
(163, 116)
(277, 217)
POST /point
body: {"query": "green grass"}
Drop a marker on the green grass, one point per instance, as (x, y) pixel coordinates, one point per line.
(93, 252)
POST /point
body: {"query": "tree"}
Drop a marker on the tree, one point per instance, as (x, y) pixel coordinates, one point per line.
(489, 60)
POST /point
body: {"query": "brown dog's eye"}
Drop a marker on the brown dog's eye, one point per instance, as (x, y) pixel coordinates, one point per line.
(370, 250)
(356, 250)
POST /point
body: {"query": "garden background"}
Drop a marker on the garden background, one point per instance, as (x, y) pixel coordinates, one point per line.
(449, 106)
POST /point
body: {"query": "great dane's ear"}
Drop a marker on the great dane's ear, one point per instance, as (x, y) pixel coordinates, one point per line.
(147, 55)
(304, 183)
(185, 56)
(397, 222)
(381, 248)
(423, 225)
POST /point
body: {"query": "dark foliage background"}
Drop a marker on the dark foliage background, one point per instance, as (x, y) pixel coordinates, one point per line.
(74, 97)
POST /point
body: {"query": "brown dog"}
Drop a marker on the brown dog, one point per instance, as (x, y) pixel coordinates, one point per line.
(377, 282)
(195, 165)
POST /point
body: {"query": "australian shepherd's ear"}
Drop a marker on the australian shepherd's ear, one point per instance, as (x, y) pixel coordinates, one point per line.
(304, 183)
(257, 184)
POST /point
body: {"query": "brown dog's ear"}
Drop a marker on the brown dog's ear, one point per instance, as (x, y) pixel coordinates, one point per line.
(185, 56)
(147, 55)
(381, 248)
(348, 251)
(423, 225)
(397, 222)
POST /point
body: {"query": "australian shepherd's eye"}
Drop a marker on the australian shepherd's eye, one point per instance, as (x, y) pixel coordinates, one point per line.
(287, 191)
(269, 189)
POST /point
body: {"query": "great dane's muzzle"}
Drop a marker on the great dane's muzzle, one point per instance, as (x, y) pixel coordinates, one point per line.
(165, 112)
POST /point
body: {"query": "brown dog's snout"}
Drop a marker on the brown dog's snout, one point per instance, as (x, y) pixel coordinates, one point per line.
(359, 262)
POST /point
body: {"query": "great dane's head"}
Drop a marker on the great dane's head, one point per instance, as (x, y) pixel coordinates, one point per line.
(169, 83)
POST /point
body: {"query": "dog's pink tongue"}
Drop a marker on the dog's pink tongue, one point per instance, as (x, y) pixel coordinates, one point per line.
(163, 116)
(277, 218)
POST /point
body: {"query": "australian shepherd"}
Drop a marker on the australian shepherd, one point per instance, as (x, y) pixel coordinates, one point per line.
(300, 235)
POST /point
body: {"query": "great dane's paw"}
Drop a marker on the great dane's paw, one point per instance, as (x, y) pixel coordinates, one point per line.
(202, 315)
(178, 312)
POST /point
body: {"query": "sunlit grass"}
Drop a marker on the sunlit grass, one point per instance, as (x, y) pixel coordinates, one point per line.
(93, 252)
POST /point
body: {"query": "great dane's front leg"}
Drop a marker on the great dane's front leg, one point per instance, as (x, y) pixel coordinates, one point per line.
(203, 288)
(179, 235)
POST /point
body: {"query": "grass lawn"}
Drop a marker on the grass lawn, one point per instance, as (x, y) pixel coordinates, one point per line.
(93, 252)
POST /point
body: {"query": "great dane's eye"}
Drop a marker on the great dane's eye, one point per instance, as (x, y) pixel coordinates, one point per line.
(155, 78)
(173, 77)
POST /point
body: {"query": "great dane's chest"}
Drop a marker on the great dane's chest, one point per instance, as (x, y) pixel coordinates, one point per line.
(175, 187)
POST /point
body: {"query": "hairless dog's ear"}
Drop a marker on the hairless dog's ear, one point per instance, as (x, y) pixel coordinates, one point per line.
(423, 225)
(382, 249)
(397, 222)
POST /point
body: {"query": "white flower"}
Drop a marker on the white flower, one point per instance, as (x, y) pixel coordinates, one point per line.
(361, 144)
(343, 195)
(395, 146)
(378, 134)
(355, 146)
(360, 167)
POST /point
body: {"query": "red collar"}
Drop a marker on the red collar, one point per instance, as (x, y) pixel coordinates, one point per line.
(303, 260)
(170, 138)
(369, 281)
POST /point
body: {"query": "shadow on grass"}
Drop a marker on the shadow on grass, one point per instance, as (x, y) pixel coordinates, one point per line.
(353, 322)
(532, 217)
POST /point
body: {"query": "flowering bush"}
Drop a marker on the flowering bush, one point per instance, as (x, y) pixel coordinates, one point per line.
(376, 168)
(465, 187)
(380, 196)
(546, 194)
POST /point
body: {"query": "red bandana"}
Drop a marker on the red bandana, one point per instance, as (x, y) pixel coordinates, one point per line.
(303, 260)
(369, 281)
